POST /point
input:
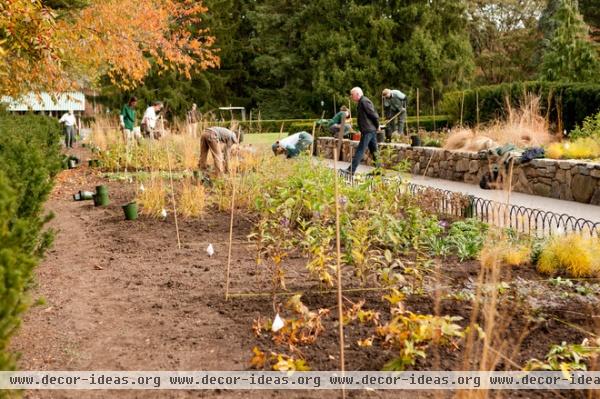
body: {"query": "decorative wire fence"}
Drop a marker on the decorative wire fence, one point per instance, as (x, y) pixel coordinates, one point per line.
(519, 218)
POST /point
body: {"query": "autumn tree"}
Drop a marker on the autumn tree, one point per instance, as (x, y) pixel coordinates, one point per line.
(76, 43)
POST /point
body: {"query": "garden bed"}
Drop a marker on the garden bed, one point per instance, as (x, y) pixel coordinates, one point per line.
(121, 295)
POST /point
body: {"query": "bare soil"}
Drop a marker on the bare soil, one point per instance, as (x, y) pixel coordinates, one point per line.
(121, 296)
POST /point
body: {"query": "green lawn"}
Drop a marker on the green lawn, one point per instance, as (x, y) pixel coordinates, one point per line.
(262, 140)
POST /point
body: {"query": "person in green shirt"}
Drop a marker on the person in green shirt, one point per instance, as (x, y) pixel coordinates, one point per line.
(339, 120)
(128, 120)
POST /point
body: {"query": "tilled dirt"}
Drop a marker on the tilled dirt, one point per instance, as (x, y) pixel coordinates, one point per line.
(122, 296)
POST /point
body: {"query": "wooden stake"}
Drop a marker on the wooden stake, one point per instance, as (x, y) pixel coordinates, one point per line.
(280, 131)
(227, 277)
(173, 197)
(334, 107)
(312, 145)
(339, 268)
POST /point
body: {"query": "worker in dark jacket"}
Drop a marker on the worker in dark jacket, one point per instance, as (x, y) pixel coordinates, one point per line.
(368, 124)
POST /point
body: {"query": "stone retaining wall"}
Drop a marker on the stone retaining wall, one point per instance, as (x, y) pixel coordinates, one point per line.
(571, 180)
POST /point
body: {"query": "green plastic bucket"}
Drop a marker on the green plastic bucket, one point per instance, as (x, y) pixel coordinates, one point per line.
(131, 211)
(101, 200)
(101, 190)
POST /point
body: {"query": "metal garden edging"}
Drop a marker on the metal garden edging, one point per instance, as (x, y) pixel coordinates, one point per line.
(519, 218)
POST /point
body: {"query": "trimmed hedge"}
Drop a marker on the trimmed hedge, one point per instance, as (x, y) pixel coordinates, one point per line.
(297, 125)
(29, 159)
(571, 101)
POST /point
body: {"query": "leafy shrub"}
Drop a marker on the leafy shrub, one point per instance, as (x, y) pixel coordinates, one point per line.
(572, 254)
(589, 128)
(29, 159)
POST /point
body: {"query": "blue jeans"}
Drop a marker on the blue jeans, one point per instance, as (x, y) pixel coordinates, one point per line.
(368, 139)
(69, 136)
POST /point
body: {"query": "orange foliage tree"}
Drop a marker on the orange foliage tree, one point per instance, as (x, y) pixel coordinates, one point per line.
(122, 39)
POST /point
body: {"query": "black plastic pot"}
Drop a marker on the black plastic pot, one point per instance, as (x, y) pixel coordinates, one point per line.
(415, 141)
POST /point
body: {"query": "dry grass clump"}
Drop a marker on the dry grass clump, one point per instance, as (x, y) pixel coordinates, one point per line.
(192, 200)
(187, 149)
(504, 251)
(572, 254)
(523, 127)
(463, 139)
(153, 197)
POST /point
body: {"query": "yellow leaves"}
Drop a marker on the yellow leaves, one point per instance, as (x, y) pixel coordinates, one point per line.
(288, 363)
(394, 297)
(277, 361)
(366, 343)
(259, 359)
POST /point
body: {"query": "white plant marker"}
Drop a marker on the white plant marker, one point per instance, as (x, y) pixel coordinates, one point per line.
(142, 188)
(210, 250)
(163, 213)
(278, 323)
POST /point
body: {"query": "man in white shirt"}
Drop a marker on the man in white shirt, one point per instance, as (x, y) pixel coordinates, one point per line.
(69, 121)
(293, 145)
(149, 120)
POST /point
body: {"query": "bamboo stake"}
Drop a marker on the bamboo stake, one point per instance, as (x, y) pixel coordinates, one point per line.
(173, 197)
(509, 190)
(433, 105)
(477, 107)
(280, 131)
(339, 269)
(462, 108)
(418, 125)
(250, 123)
(259, 122)
(227, 277)
(334, 107)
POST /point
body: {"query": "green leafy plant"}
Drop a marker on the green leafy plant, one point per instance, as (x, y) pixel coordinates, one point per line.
(565, 357)
(467, 238)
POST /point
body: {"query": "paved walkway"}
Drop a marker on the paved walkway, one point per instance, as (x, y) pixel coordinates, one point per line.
(572, 208)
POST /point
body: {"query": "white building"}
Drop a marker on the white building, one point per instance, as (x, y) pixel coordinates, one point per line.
(54, 104)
